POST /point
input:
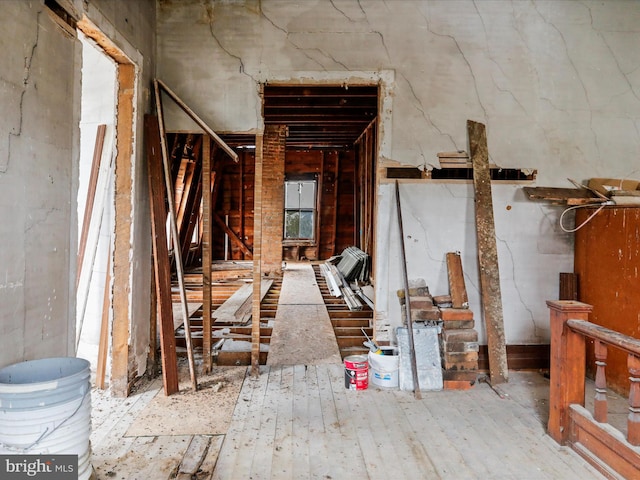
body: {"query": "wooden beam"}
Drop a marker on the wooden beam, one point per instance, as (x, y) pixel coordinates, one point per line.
(176, 239)
(91, 195)
(232, 235)
(162, 265)
(197, 119)
(123, 205)
(488, 254)
(257, 257)
(457, 288)
(206, 254)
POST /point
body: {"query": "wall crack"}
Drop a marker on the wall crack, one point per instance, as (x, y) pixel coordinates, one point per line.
(26, 77)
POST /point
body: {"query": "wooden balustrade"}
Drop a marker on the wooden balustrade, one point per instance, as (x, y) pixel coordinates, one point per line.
(569, 422)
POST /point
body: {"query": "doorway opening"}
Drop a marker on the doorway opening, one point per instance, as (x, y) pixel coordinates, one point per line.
(331, 141)
(95, 197)
(114, 319)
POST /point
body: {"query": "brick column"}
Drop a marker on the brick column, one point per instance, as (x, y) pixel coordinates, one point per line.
(273, 197)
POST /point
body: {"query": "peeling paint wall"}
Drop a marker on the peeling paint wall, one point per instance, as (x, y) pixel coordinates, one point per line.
(556, 82)
(39, 152)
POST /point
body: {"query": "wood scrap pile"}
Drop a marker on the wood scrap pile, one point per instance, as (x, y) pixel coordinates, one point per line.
(458, 338)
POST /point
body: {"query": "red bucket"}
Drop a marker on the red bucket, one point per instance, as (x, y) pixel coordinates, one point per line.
(356, 372)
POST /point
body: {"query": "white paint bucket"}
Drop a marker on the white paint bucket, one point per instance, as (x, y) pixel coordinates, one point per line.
(45, 408)
(385, 367)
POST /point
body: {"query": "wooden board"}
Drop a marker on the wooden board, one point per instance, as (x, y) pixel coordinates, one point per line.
(162, 266)
(560, 195)
(488, 254)
(457, 287)
(238, 306)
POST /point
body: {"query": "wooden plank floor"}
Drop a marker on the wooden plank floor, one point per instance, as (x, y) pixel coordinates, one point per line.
(296, 422)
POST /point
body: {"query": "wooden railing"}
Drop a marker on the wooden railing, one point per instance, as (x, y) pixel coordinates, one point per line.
(570, 423)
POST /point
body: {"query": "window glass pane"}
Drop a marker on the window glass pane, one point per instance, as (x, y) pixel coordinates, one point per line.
(291, 195)
(306, 224)
(291, 224)
(307, 194)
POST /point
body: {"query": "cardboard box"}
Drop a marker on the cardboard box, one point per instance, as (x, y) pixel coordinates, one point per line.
(608, 185)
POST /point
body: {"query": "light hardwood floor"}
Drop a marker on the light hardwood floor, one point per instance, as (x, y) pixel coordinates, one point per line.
(295, 422)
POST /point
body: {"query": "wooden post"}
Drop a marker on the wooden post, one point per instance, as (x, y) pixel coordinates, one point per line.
(176, 239)
(488, 254)
(206, 253)
(600, 400)
(633, 420)
(162, 267)
(257, 258)
(567, 369)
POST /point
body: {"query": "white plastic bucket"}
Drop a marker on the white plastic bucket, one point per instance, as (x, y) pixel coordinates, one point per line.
(385, 367)
(45, 408)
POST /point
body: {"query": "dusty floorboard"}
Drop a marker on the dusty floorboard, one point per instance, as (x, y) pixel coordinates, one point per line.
(299, 422)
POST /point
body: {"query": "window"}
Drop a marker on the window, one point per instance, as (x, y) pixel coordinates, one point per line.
(299, 209)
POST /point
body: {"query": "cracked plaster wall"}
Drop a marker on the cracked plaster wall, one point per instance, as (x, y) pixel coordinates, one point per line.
(37, 171)
(556, 82)
(39, 153)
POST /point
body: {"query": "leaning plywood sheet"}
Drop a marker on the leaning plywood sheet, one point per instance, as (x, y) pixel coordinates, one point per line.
(488, 254)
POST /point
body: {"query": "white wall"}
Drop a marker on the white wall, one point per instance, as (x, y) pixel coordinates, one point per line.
(557, 84)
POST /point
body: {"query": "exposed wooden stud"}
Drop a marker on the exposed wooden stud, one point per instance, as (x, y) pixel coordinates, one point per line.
(176, 239)
(206, 254)
(232, 235)
(123, 205)
(257, 258)
(457, 287)
(488, 254)
(162, 266)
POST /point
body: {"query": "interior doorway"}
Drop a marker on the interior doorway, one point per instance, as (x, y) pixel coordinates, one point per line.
(95, 196)
(331, 146)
